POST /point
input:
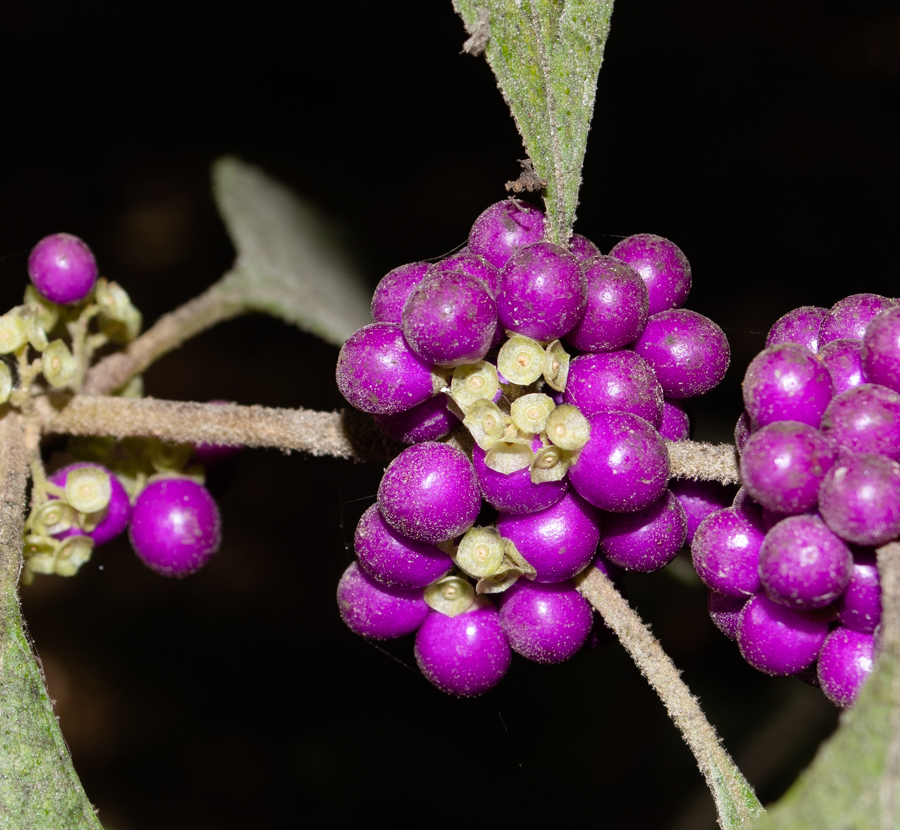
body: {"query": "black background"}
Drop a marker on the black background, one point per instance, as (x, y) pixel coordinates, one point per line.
(759, 136)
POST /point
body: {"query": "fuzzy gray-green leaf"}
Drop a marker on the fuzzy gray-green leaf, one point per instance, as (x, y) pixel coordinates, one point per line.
(288, 262)
(546, 55)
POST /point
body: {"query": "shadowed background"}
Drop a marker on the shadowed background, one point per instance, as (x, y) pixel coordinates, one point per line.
(758, 136)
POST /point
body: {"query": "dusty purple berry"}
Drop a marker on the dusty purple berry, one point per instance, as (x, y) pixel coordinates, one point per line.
(859, 607)
(843, 360)
(465, 655)
(647, 539)
(515, 492)
(675, 424)
(799, 326)
(376, 611)
(394, 289)
(725, 551)
(880, 354)
(699, 499)
(504, 228)
(725, 612)
(614, 381)
(845, 661)
(865, 419)
(545, 623)
(429, 493)
(62, 268)
(175, 526)
(850, 317)
(661, 264)
(474, 266)
(426, 421)
(582, 248)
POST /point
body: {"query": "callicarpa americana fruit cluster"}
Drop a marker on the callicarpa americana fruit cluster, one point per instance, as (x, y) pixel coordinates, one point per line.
(791, 565)
(535, 385)
(100, 487)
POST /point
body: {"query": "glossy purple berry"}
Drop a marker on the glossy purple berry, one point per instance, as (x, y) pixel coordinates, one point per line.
(725, 551)
(614, 381)
(845, 661)
(558, 542)
(661, 264)
(786, 383)
(378, 373)
(474, 266)
(545, 623)
(393, 559)
(465, 655)
(675, 424)
(843, 360)
(725, 612)
(799, 326)
(688, 352)
(647, 539)
(515, 492)
(860, 499)
(582, 248)
(617, 306)
(394, 289)
(377, 611)
(116, 514)
(850, 317)
(429, 493)
(802, 564)
(624, 466)
(779, 640)
(175, 526)
(450, 319)
(699, 499)
(504, 228)
(880, 354)
(542, 292)
(62, 268)
(743, 429)
(426, 421)
(865, 419)
(859, 607)
(783, 464)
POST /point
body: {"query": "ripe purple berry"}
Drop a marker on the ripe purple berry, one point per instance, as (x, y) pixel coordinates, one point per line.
(661, 264)
(373, 610)
(845, 661)
(175, 526)
(62, 268)
(504, 228)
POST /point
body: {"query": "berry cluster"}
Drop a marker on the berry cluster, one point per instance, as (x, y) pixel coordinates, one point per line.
(791, 565)
(567, 369)
(145, 486)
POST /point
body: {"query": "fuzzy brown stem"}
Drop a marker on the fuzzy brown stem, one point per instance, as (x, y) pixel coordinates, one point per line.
(733, 795)
(169, 332)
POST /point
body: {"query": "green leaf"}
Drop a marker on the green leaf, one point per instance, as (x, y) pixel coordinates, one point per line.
(546, 55)
(288, 262)
(39, 789)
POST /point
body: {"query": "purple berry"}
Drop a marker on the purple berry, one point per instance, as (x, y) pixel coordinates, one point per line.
(558, 542)
(582, 248)
(786, 383)
(778, 640)
(504, 228)
(545, 623)
(725, 551)
(743, 429)
(624, 466)
(393, 559)
(699, 499)
(542, 292)
(647, 539)
(465, 655)
(614, 382)
(62, 268)
(378, 373)
(116, 514)
(394, 289)
(617, 306)
(880, 353)
(175, 526)
(376, 611)
(802, 564)
(783, 464)
(474, 266)
(843, 360)
(860, 499)
(429, 493)
(850, 317)
(725, 612)
(675, 424)
(859, 607)
(688, 352)
(515, 492)
(450, 319)
(426, 421)
(865, 419)
(661, 264)
(845, 661)
(799, 326)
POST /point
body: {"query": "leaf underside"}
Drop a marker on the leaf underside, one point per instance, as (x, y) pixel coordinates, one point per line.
(288, 264)
(546, 55)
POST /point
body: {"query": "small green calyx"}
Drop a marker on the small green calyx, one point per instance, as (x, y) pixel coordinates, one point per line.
(118, 319)
(556, 366)
(508, 457)
(567, 428)
(480, 552)
(57, 364)
(53, 517)
(514, 566)
(521, 360)
(451, 595)
(486, 422)
(6, 382)
(13, 334)
(551, 464)
(529, 413)
(88, 489)
(474, 382)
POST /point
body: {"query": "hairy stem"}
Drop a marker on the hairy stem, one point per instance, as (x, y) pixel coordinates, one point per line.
(736, 802)
(171, 330)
